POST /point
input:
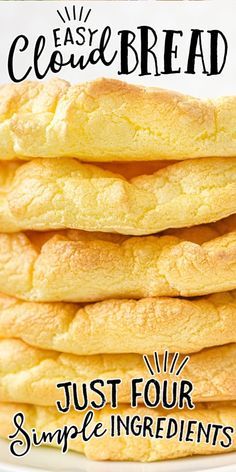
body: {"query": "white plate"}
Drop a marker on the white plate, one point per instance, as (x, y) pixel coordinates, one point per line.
(50, 460)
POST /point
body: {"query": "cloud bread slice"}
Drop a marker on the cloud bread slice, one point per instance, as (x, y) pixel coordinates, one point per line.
(51, 194)
(30, 373)
(128, 448)
(79, 266)
(111, 120)
(122, 326)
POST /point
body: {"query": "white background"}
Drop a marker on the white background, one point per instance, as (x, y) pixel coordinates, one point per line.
(39, 17)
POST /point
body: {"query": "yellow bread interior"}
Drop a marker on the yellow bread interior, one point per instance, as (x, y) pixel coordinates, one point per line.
(78, 266)
(126, 448)
(122, 326)
(31, 373)
(51, 194)
(107, 120)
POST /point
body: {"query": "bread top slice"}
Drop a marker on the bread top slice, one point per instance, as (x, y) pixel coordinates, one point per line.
(107, 120)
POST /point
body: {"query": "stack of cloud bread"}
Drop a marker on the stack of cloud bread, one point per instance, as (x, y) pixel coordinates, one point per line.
(121, 200)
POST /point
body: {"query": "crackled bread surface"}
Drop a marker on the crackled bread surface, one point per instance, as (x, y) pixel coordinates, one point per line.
(79, 266)
(30, 373)
(122, 326)
(101, 121)
(126, 448)
(53, 194)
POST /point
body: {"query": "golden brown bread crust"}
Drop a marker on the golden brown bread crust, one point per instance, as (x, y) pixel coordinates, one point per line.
(111, 120)
(125, 448)
(30, 373)
(122, 326)
(203, 233)
(131, 169)
(80, 267)
(52, 194)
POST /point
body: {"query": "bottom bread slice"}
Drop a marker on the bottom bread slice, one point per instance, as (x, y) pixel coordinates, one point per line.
(134, 446)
